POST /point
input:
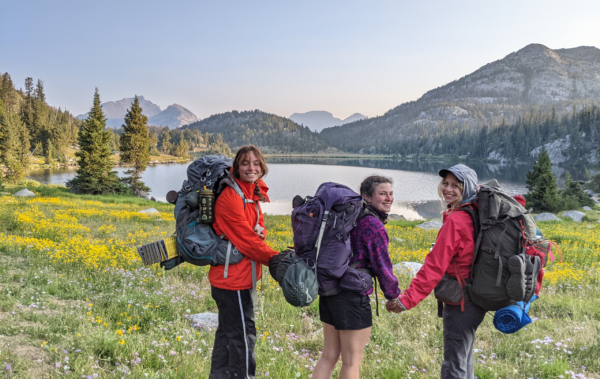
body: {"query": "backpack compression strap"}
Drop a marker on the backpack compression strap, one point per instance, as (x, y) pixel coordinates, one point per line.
(321, 231)
(473, 212)
(370, 272)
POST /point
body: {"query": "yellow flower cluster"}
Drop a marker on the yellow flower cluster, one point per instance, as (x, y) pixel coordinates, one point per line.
(98, 235)
(60, 230)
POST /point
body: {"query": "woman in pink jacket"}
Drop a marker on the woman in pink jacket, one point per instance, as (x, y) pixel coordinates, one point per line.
(452, 254)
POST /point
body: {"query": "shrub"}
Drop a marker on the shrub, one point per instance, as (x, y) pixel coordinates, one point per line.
(573, 195)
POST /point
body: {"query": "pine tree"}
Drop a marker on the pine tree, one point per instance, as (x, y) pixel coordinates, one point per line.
(134, 146)
(153, 142)
(49, 154)
(165, 141)
(573, 195)
(27, 107)
(14, 146)
(541, 183)
(94, 174)
(182, 149)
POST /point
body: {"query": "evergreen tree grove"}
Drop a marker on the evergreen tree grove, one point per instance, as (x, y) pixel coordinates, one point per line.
(14, 145)
(541, 184)
(135, 145)
(94, 174)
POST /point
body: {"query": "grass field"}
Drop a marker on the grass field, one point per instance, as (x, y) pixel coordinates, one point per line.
(76, 300)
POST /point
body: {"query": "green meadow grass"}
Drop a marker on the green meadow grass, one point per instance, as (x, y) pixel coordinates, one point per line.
(62, 319)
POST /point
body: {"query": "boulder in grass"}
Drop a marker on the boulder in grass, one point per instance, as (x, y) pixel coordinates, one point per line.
(150, 212)
(546, 217)
(24, 192)
(205, 321)
(410, 268)
(398, 239)
(586, 208)
(430, 225)
(576, 216)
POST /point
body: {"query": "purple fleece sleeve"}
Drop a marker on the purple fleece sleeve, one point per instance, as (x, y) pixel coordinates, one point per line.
(372, 244)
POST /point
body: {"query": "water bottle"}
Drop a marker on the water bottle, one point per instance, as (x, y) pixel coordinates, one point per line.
(206, 201)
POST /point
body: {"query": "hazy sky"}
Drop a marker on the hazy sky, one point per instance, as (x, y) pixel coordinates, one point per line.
(278, 56)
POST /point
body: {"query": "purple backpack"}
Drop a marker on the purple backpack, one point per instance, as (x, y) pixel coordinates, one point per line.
(322, 226)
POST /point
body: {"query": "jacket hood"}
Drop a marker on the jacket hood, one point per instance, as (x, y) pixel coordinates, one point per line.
(467, 176)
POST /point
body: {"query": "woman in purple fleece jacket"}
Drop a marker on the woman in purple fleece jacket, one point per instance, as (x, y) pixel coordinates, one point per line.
(347, 317)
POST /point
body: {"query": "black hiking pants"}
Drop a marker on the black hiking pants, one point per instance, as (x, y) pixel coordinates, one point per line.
(459, 337)
(233, 352)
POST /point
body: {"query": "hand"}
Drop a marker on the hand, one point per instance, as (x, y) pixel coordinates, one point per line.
(393, 306)
(258, 230)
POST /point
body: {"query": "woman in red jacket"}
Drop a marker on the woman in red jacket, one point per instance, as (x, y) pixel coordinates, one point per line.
(243, 224)
(452, 254)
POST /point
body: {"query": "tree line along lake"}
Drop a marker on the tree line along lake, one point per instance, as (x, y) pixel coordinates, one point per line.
(415, 182)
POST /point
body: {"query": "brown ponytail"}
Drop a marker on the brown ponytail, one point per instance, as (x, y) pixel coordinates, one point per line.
(257, 192)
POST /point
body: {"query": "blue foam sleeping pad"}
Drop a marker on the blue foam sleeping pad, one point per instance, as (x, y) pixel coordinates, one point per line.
(512, 318)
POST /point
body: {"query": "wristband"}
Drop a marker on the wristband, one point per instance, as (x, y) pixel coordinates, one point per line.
(399, 302)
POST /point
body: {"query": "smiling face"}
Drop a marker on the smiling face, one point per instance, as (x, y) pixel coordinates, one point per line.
(250, 169)
(451, 189)
(382, 199)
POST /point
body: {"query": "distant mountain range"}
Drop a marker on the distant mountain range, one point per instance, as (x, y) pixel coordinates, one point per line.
(502, 91)
(174, 116)
(319, 120)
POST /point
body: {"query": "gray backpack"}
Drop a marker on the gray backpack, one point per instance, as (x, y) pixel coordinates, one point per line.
(298, 282)
(197, 243)
(508, 257)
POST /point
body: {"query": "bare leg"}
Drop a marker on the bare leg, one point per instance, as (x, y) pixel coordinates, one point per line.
(353, 344)
(331, 353)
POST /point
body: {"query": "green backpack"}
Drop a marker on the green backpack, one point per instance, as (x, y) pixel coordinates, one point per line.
(509, 254)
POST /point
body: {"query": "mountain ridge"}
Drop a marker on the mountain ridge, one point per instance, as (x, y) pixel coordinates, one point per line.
(272, 133)
(174, 116)
(319, 120)
(500, 91)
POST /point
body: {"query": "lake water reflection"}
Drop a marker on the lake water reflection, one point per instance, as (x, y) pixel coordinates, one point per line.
(415, 183)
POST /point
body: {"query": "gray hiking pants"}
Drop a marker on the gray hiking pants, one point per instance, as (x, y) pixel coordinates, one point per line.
(459, 337)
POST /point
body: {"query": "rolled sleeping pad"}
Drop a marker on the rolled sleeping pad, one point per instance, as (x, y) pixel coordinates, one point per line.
(511, 319)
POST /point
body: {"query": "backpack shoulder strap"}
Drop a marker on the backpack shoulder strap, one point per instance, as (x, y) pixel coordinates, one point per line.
(366, 211)
(229, 181)
(473, 212)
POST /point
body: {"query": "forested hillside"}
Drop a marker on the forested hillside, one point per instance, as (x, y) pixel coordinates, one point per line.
(446, 120)
(271, 132)
(28, 126)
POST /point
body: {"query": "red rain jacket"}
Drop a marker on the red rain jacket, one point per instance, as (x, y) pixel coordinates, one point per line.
(454, 240)
(237, 223)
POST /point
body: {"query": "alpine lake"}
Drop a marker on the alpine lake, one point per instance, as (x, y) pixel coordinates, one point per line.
(415, 182)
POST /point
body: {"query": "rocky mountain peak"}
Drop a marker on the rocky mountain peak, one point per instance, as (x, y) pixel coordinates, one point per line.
(319, 120)
(174, 116)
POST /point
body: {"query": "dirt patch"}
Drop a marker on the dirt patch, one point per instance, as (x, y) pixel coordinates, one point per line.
(27, 324)
(63, 303)
(18, 346)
